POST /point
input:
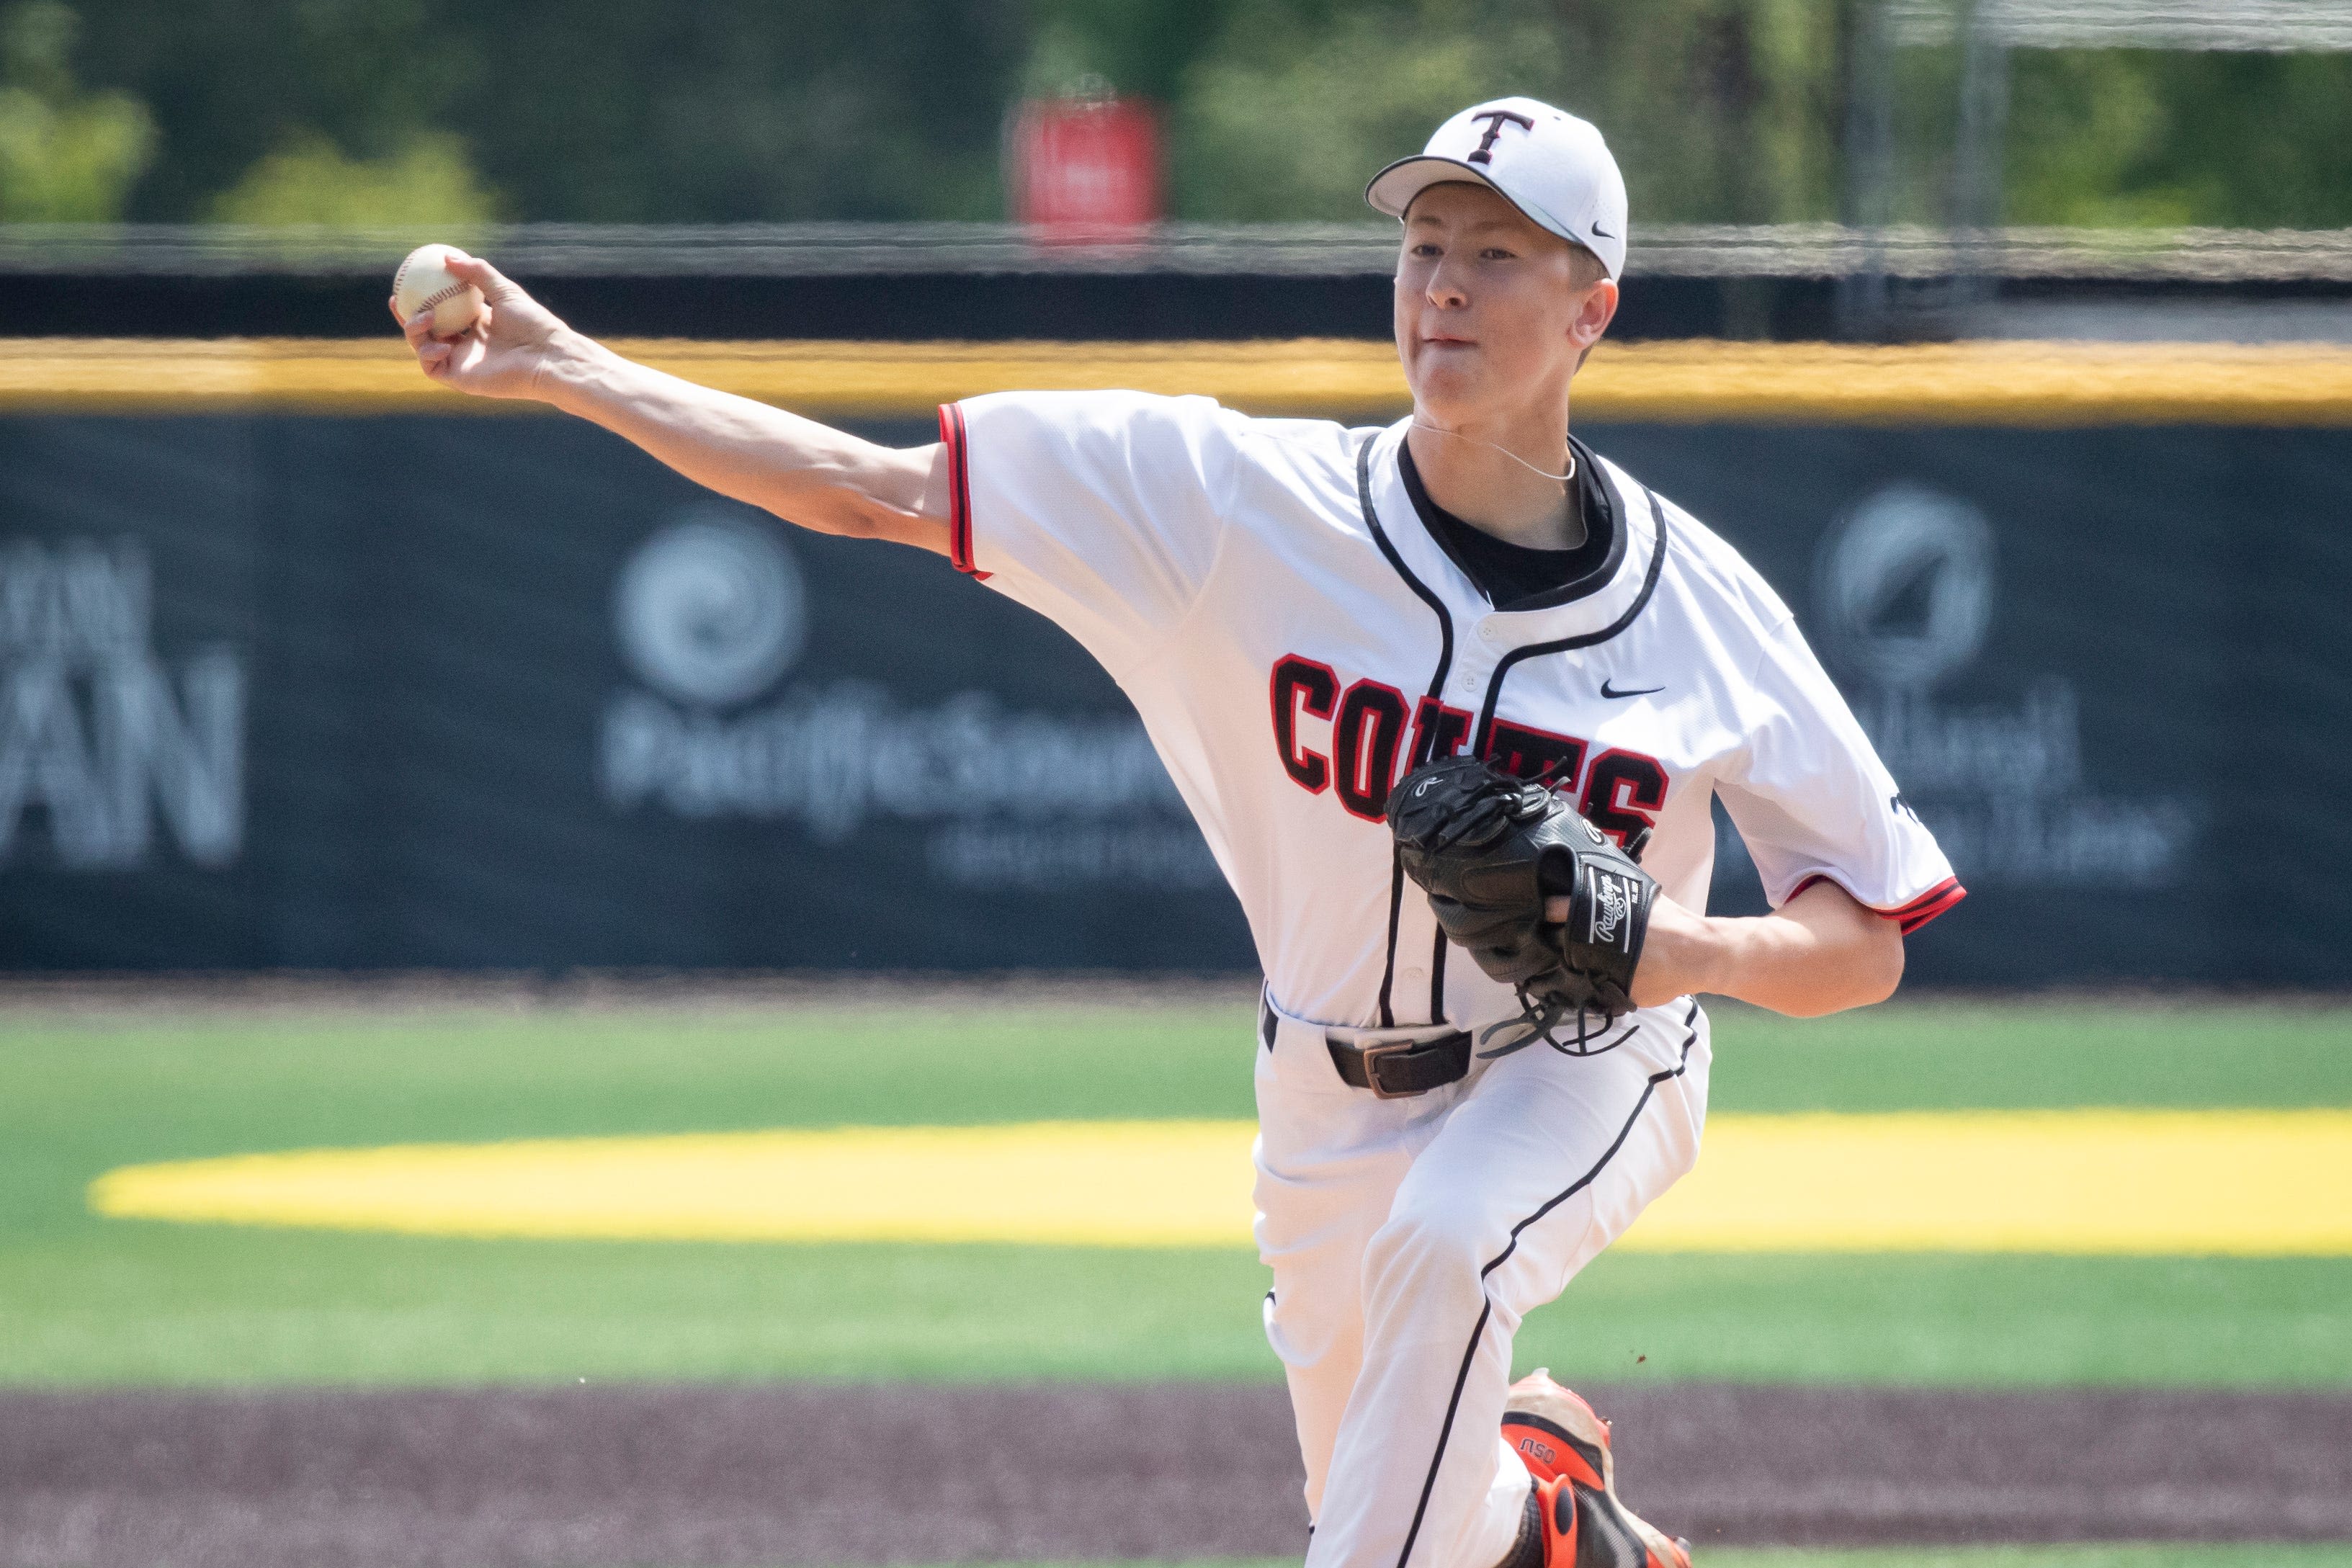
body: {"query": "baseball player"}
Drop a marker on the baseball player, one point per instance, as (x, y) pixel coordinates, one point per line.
(1450, 701)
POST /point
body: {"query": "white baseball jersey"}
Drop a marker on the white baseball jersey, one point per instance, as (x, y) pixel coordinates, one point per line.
(1295, 639)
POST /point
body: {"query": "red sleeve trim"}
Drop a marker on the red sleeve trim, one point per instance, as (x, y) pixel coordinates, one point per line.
(1929, 904)
(951, 436)
(1913, 914)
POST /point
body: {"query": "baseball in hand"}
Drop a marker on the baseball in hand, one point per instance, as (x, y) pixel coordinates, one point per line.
(425, 283)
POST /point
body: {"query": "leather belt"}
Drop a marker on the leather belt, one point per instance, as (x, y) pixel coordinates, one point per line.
(1395, 1067)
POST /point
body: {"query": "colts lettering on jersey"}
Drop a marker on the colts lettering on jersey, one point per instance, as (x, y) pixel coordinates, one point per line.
(1368, 733)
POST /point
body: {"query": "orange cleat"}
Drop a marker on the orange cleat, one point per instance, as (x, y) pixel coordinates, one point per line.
(1565, 1446)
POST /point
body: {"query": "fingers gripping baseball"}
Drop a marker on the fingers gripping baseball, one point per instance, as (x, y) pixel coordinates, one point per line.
(501, 353)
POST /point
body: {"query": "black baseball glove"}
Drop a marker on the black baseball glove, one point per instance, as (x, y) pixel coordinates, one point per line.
(1489, 850)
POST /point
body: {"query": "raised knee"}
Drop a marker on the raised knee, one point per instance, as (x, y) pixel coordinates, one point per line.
(1428, 1242)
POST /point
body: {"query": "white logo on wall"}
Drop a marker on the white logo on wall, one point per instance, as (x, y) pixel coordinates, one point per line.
(1905, 540)
(1904, 594)
(98, 736)
(711, 614)
(711, 610)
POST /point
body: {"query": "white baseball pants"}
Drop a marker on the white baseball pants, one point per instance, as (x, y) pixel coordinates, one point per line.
(1409, 1237)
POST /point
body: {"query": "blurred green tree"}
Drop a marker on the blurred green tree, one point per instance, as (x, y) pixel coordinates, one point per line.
(587, 110)
(232, 81)
(66, 156)
(1719, 111)
(1722, 111)
(723, 110)
(428, 184)
(1293, 108)
(2127, 137)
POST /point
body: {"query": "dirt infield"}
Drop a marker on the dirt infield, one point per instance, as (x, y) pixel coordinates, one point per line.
(595, 1477)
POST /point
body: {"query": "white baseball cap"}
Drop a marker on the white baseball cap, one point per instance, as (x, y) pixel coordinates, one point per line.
(1543, 161)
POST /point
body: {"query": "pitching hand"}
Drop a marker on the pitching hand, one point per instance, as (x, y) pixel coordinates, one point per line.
(502, 353)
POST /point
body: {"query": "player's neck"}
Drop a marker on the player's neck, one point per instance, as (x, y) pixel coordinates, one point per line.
(1498, 478)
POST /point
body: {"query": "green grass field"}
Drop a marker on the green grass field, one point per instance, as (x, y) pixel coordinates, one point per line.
(90, 1301)
(2118, 1556)
(2131, 1556)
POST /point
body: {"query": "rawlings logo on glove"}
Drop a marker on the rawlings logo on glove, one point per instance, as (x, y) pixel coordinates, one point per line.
(1490, 851)
(1610, 906)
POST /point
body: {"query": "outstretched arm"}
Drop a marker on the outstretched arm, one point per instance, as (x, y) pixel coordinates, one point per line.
(805, 472)
(1821, 952)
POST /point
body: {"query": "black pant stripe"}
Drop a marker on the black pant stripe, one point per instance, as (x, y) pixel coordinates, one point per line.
(1487, 1311)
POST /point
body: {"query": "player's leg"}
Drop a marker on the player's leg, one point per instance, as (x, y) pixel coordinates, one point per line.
(1330, 1158)
(1544, 1162)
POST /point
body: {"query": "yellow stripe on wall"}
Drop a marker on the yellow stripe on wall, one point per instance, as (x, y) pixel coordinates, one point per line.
(2018, 383)
(2237, 1183)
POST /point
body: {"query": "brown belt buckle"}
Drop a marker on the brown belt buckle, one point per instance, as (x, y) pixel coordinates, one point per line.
(1371, 1053)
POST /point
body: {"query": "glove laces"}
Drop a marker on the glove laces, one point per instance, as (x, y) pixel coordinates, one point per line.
(1538, 1017)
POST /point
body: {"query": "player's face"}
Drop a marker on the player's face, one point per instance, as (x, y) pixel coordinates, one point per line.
(1490, 320)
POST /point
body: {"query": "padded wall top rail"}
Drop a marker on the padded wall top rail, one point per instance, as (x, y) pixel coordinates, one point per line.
(1977, 382)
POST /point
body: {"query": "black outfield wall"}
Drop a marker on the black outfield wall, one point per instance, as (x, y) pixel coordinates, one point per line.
(404, 692)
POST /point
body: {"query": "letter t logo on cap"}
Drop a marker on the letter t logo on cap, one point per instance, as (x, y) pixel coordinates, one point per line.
(1557, 169)
(1496, 119)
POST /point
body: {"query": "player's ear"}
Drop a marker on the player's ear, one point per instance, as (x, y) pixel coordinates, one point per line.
(1594, 311)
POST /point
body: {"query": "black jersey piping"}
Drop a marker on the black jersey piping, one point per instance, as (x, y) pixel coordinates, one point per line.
(1396, 913)
(1565, 644)
(1600, 576)
(1396, 562)
(1436, 687)
(1487, 1310)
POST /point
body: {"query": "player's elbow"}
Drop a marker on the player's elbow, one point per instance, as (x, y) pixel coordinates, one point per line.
(859, 515)
(1879, 969)
(1871, 968)
(1859, 971)
(870, 493)
(842, 510)
(851, 512)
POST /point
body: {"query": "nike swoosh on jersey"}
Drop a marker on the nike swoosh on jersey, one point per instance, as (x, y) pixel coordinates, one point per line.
(1636, 692)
